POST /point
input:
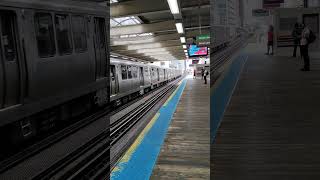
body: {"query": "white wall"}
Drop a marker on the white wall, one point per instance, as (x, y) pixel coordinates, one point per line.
(314, 3)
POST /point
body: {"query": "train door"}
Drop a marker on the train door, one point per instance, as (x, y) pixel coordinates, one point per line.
(141, 76)
(9, 68)
(164, 74)
(1, 83)
(158, 74)
(100, 47)
(152, 74)
(113, 80)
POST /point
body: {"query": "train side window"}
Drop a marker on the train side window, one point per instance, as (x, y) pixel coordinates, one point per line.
(64, 41)
(129, 72)
(134, 72)
(8, 36)
(146, 70)
(101, 32)
(45, 34)
(124, 72)
(79, 33)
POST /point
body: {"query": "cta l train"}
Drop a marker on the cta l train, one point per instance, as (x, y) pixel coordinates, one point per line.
(53, 63)
(128, 79)
(54, 66)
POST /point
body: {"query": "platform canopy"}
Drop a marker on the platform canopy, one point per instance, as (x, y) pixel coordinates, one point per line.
(147, 29)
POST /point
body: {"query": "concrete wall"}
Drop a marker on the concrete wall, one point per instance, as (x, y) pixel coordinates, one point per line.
(291, 13)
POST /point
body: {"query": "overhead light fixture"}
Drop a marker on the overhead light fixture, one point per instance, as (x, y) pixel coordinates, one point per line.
(183, 39)
(184, 46)
(185, 50)
(186, 54)
(173, 5)
(114, 55)
(179, 28)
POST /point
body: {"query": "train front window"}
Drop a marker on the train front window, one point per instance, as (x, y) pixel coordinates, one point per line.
(79, 33)
(62, 23)
(45, 34)
(124, 72)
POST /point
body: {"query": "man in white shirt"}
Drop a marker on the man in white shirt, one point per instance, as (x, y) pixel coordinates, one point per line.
(304, 47)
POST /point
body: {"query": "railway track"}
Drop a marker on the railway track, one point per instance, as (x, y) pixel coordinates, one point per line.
(224, 56)
(124, 124)
(92, 159)
(37, 147)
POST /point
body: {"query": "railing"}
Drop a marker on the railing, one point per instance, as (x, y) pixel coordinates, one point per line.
(285, 41)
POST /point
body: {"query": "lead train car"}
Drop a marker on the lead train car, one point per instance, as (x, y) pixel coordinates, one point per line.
(53, 63)
(129, 79)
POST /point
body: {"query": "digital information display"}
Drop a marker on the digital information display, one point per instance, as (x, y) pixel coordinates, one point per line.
(194, 50)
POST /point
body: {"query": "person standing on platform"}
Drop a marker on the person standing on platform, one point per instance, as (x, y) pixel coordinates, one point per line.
(296, 34)
(202, 73)
(304, 45)
(206, 73)
(270, 40)
(194, 74)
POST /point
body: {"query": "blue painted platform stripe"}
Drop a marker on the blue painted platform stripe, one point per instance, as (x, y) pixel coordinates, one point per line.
(221, 95)
(139, 160)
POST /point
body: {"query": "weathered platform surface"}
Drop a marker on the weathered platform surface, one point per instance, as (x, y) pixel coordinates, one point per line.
(185, 153)
(271, 127)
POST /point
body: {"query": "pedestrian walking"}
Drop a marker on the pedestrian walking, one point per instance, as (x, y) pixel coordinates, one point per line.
(202, 73)
(270, 40)
(206, 73)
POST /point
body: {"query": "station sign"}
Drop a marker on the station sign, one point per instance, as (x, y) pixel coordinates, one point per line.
(203, 44)
(203, 37)
(203, 40)
(260, 12)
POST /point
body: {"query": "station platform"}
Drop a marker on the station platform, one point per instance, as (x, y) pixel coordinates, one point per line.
(270, 128)
(185, 153)
(176, 142)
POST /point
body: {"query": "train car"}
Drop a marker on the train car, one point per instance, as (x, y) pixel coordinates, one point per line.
(129, 79)
(53, 63)
(221, 38)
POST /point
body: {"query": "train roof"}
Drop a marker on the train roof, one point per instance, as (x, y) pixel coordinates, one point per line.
(121, 61)
(59, 5)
